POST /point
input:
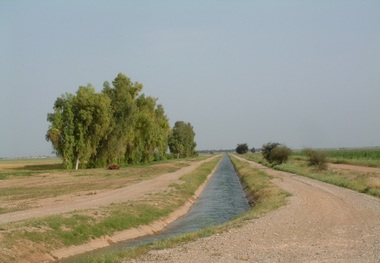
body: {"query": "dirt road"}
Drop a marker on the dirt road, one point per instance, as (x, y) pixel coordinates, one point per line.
(127, 193)
(320, 223)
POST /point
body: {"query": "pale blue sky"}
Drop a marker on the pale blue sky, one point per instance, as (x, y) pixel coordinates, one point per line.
(302, 73)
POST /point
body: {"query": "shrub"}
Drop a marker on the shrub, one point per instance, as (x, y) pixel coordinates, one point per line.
(267, 149)
(317, 159)
(280, 154)
(276, 153)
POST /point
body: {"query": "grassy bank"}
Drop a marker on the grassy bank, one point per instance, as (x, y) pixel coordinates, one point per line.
(53, 232)
(364, 182)
(264, 195)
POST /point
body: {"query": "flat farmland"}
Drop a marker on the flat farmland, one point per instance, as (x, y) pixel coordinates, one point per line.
(45, 208)
(26, 184)
(319, 223)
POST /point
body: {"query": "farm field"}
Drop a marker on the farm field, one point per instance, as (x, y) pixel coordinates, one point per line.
(25, 184)
(45, 207)
(355, 169)
(357, 156)
(30, 185)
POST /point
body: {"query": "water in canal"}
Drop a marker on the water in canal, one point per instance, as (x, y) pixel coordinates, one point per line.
(221, 200)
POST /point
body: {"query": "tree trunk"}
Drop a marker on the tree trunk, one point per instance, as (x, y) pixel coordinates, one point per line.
(77, 163)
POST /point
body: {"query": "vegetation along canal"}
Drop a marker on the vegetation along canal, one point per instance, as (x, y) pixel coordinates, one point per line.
(221, 200)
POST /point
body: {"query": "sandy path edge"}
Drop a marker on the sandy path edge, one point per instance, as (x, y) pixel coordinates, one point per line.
(129, 234)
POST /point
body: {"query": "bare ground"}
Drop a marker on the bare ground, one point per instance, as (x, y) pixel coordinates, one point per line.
(68, 203)
(320, 223)
(26, 252)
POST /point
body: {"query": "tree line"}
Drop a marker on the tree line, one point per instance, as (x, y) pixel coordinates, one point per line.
(117, 125)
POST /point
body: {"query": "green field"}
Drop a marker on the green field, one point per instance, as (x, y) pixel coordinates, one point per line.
(358, 156)
(361, 180)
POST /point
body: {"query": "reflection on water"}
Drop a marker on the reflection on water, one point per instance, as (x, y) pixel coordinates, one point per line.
(221, 200)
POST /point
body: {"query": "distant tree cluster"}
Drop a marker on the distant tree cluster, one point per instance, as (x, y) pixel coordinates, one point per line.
(117, 125)
(242, 148)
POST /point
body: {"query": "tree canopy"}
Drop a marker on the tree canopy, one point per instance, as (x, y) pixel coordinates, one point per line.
(78, 124)
(117, 125)
(181, 140)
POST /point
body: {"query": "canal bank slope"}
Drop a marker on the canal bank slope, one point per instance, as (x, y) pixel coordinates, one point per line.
(320, 223)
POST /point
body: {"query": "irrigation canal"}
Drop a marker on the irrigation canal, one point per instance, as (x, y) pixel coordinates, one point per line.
(221, 200)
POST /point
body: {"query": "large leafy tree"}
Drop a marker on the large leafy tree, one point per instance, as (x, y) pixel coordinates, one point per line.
(151, 129)
(78, 124)
(61, 132)
(93, 121)
(118, 125)
(140, 127)
(181, 140)
(123, 93)
(162, 132)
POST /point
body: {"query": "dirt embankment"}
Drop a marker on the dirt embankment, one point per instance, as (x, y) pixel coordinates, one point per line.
(320, 223)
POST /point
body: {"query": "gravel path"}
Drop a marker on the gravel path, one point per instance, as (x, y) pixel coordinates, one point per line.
(320, 223)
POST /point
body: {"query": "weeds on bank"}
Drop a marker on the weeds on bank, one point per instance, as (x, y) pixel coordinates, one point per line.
(264, 194)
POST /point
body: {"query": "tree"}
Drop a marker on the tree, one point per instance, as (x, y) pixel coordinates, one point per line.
(242, 148)
(151, 131)
(181, 140)
(253, 150)
(162, 134)
(61, 131)
(93, 118)
(117, 125)
(118, 146)
(78, 124)
(275, 153)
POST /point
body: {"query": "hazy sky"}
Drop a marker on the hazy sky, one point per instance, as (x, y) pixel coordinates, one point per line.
(302, 73)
